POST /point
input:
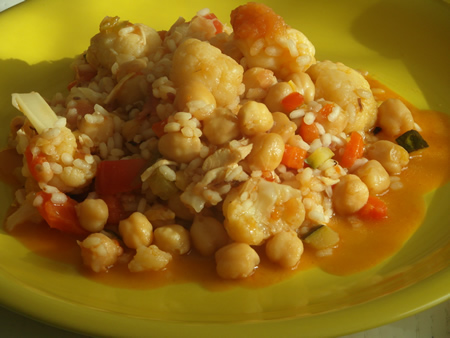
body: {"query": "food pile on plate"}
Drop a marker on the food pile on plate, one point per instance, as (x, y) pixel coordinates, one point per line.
(208, 139)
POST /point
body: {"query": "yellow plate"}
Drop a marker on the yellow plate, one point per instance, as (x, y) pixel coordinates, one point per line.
(403, 43)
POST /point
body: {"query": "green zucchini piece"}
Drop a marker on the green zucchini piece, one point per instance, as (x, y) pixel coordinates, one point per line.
(411, 141)
(319, 156)
(322, 237)
(160, 186)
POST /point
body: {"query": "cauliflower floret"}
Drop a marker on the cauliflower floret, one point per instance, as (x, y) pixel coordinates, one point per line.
(99, 252)
(196, 60)
(349, 89)
(149, 259)
(55, 160)
(121, 41)
(268, 42)
(258, 209)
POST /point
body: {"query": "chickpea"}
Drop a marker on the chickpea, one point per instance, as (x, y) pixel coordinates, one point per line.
(267, 152)
(177, 147)
(136, 230)
(149, 258)
(276, 94)
(283, 126)
(350, 195)
(221, 127)
(254, 117)
(394, 117)
(92, 214)
(390, 155)
(99, 252)
(236, 260)
(285, 248)
(208, 235)
(374, 176)
(173, 238)
(194, 91)
(304, 85)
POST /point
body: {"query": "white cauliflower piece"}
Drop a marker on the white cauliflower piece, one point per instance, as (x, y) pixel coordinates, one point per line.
(196, 60)
(267, 41)
(121, 41)
(55, 160)
(258, 209)
(99, 252)
(349, 89)
(149, 259)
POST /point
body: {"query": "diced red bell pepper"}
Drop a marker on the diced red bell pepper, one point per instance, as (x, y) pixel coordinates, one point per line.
(61, 216)
(121, 176)
(33, 163)
(115, 209)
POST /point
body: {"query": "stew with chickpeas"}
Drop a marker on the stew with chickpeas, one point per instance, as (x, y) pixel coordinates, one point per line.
(211, 153)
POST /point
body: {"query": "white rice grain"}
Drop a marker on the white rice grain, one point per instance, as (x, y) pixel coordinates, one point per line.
(38, 200)
(309, 118)
(273, 51)
(66, 158)
(56, 168)
(168, 173)
(59, 198)
(256, 47)
(116, 152)
(81, 164)
(298, 113)
(172, 127)
(334, 113)
(364, 93)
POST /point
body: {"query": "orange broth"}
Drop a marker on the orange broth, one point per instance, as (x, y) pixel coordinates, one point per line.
(361, 246)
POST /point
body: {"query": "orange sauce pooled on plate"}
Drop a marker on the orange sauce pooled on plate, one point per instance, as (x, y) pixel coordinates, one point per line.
(361, 246)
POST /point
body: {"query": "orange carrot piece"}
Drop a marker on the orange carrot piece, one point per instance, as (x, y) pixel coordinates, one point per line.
(308, 132)
(326, 110)
(292, 101)
(353, 150)
(374, 209)
(294, 157)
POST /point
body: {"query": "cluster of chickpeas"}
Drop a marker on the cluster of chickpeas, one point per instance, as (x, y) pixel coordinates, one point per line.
(385, 159)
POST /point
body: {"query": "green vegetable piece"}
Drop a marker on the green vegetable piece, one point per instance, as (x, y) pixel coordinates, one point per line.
(160, 186)
(411, 141)
(322, 237)
(319, 156)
